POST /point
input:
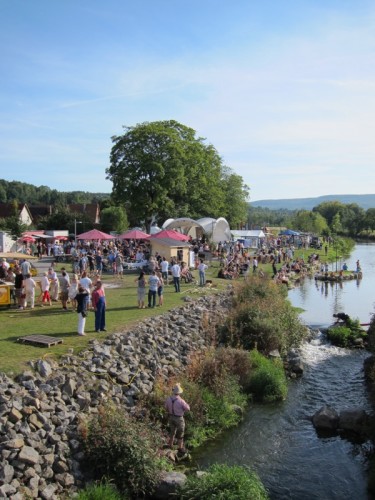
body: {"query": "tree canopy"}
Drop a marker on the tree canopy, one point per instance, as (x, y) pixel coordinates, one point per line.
(161, 170)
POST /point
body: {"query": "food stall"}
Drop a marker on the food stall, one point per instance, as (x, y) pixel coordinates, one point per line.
(5, 293)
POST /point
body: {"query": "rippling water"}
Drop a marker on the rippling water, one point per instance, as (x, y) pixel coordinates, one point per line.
(279, 441)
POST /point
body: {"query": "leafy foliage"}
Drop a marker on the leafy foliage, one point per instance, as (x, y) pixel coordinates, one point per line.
(103, 491)
(345, 336)
(34, 195)
(223, 482)
(261, 318)
(163, 170)
(268, 382)
(125, 450)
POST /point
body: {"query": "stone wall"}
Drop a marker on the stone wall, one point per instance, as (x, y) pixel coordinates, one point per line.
(40, 411)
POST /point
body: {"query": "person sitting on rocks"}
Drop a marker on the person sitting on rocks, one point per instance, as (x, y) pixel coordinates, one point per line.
(342, 318)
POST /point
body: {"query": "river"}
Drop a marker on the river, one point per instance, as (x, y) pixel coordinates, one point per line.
(279, 441)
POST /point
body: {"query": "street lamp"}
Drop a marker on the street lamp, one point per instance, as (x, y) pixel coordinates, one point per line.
(75, 230)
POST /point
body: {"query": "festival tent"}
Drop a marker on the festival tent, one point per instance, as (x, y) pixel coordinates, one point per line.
(94, 234)
(134, 234)
(170, 233)
(289, 232)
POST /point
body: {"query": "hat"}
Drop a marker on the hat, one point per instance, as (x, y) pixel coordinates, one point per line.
(177, 389)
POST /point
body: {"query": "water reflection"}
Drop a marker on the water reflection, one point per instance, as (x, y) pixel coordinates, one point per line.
(355, 297)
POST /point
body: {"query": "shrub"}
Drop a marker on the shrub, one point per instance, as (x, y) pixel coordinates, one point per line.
(224, 483)
(268, 382)
(345, 336)
(102, 491)
(262, 318)
(125, 450)
(211, 367)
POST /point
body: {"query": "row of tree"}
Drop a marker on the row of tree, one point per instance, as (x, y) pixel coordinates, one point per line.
(325, 219)
(43, 195)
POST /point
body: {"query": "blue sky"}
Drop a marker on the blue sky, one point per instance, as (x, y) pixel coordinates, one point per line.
(284, 90)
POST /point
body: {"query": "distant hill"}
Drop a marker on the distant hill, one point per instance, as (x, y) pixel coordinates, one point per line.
(363, 200)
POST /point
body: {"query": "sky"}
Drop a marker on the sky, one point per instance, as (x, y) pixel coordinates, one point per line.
(284, 90)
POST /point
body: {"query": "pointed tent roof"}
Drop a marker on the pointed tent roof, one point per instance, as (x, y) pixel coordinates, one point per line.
(170, 233)
(94, 234)
(134, 234)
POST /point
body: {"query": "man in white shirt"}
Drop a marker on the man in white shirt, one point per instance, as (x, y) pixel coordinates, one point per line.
(202, 273)
(164, 270)
(176, 273)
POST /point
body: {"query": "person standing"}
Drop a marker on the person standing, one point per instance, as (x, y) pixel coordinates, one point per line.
(73, 290)
(52, 276)
(25, 268)
(202, 272)
(86, 282)
(119, 263)
(29, 285)
(64, 287)
(176, 408)
(18, 288)
(82, 299)
(44, 285)
(160, 289)
(164, 270)
(141, 290)
(99, 305)
(255, 264)
(153, 284)
(176, 273)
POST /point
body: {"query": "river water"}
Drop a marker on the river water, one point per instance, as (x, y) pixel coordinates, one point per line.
(279, 441)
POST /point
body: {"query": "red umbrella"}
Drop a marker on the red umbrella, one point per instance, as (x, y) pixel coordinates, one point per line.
(134, 234)
(28, 238)
(171, 233)
(95, 234)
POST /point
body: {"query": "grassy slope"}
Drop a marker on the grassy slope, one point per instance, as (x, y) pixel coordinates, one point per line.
(122, 312)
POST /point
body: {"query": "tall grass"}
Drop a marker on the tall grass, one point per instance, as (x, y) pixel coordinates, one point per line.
(222, 482)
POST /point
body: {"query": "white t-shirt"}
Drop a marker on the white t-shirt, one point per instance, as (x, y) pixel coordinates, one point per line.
(176, 271)
(164, 266)
(86, 283)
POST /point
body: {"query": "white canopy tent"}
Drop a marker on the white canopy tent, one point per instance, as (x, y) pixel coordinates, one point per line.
(252, 238)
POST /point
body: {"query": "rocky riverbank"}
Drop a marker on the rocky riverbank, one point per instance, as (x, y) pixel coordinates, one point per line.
(40, 411)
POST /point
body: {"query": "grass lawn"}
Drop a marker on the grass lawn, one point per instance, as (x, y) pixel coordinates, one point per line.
(122, 312)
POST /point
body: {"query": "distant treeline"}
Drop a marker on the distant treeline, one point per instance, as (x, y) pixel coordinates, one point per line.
(40, 195)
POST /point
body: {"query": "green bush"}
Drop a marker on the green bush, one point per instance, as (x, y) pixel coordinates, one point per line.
(124, 450)
(268, 382)
(102, 491)
(222, 482)
(262, 318)
(345, 336)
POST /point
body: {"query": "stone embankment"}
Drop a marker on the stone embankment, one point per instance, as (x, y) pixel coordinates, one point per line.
(40, 411)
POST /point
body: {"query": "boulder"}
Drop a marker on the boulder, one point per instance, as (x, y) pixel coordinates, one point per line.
(353, 420)
(326, 419)
(168, 485)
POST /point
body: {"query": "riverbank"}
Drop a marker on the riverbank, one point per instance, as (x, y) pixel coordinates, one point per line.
(41, 411)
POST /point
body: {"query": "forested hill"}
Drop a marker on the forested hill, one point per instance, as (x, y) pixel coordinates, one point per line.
(365, 201)
(35, 195)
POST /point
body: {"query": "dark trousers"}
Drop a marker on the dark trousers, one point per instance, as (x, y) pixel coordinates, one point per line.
(151, 297)
(176, 282)
(100, 314)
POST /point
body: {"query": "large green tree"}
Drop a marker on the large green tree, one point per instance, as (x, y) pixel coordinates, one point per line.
(161, 170)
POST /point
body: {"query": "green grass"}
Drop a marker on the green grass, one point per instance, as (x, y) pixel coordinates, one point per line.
(122, 313)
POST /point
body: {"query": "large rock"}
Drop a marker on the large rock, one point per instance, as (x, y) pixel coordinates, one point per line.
(169, 483)
(326, 419)
(353, 420)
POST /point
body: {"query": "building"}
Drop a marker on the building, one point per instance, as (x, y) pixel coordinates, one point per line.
(21, 211)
